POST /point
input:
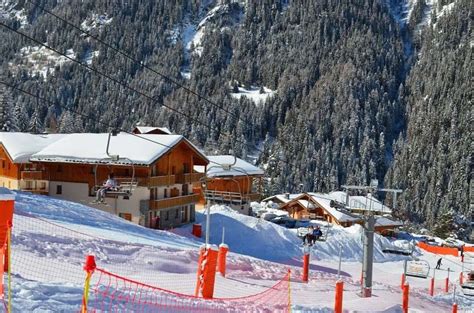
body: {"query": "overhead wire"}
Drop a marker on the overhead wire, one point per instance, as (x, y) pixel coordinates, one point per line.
(128, 56)
(114, 80)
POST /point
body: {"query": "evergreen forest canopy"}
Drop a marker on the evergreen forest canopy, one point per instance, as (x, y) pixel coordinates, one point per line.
(360, 91)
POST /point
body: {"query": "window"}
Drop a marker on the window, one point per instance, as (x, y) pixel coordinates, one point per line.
(173, 170)
(176, 213)
(126, 216)
(165, 193)
(59, 189)
(167, 215)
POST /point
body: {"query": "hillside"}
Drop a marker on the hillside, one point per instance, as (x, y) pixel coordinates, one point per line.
(333, 92)
(51, 238)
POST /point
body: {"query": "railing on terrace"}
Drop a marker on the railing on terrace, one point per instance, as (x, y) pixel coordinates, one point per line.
(173, 202)
(32, 175)
(34, 186)
(188, 178)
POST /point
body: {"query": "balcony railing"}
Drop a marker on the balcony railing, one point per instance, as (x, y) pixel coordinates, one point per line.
(158, 181)
(188, 178)
(32, 175)
(173, 202)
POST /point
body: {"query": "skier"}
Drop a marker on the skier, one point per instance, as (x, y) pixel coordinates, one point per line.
(438, 264)
(308, 238)
(110, 184)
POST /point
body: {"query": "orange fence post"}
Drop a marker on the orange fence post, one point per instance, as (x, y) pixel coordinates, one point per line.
(221, 258)
(403, 281)
(339, 295)
(406, 295)
(432, 283)
(461, 278)
(455, 308)
(89, 267)
(305, 266)
(206, 271)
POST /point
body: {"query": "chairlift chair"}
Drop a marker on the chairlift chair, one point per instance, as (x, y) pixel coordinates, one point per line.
(125, 186)
(468, 285)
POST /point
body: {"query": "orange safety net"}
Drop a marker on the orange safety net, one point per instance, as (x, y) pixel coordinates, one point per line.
(113, 293)
(438, 250)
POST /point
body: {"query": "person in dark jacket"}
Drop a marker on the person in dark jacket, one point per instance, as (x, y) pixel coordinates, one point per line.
(438, 264)
(317, 233)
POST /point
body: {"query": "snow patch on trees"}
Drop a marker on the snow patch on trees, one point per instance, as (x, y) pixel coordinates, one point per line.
(8, 10)
(96, 21)
(257, 95)
(40, 61)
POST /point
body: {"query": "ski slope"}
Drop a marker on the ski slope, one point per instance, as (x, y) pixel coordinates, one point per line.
(47, 259)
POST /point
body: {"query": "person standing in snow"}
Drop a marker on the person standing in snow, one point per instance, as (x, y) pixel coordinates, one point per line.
(108, 185)
(438, 264)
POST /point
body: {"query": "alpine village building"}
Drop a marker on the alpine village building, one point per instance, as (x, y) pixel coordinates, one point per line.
(155, 175)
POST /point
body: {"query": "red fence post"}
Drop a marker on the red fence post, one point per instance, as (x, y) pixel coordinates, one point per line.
(432, 283)
(455, 308)
(305, 267)
(461, 278)
(221, 258)
(206, 271)
(197, 230)
(339, 295)
(403, 281)
(406, 294)
(446, 285)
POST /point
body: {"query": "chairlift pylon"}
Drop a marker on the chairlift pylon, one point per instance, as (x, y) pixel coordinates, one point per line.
(125, 186)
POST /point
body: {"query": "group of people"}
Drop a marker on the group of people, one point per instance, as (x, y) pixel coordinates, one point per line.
(313, 235)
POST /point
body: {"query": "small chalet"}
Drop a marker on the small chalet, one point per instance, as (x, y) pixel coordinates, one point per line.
(149, 130)
(332, 208)
(232, 181)
(16, 171)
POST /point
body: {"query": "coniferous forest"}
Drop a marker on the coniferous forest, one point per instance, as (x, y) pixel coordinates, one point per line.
(352, 90)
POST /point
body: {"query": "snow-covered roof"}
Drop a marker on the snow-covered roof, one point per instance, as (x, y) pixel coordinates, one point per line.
(284, 198)
(325, 201)
(241, 167)
(149, 129)
(369, 203)
(385, 221)
(91, 148)
(20, 146)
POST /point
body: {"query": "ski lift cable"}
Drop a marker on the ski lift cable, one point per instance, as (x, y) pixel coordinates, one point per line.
(86, 116)
(113, 80)
(128, 56)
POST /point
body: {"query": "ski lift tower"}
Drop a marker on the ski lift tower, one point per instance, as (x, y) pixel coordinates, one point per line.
(369, 228)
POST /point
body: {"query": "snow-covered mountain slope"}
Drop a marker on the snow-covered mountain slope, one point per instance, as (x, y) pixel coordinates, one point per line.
(51, 238)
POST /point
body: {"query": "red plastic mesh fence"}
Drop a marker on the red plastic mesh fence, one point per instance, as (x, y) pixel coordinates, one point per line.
(112, 293)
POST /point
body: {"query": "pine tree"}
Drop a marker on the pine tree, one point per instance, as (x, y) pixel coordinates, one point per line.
(8, 121)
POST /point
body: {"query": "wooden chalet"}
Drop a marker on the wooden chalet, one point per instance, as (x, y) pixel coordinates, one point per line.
(16, 170)
(231, 181)
(319, 206)
(158, 172)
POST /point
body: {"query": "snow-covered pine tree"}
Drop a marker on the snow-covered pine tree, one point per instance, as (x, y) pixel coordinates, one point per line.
(8, 121)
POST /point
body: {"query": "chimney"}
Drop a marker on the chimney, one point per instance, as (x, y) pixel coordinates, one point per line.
(287, 195)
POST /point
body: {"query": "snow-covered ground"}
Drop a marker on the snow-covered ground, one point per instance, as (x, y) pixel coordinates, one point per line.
(254, 94)
(51, 238)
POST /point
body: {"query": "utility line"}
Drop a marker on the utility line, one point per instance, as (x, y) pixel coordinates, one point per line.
(128, 56)
(87, 116)
(119, 82)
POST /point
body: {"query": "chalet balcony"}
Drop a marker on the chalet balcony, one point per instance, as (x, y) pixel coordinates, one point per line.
(188, 178)
(173, 202)
(159, 181)
(32, 175)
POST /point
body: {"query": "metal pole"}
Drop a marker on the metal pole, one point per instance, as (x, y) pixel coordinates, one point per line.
(339, 267)
(208, 223)
(368, 256)
(395, 200)
(223, 234)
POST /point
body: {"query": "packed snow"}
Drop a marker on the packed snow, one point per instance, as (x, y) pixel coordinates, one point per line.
(254, 94)
(51, 238)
